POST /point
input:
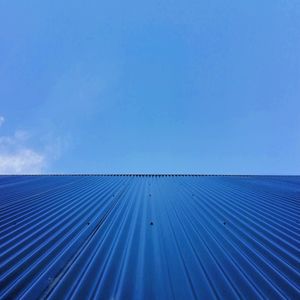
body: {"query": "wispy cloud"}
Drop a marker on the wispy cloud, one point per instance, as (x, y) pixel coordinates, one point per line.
(24, 161)
(2, 120)
(17, 157)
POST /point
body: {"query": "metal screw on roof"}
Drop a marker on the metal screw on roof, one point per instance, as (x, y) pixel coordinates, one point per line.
(224, 222)
(149, 195)
(151, 223)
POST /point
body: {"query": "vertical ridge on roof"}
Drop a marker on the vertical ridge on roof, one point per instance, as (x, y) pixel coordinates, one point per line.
(147, 236)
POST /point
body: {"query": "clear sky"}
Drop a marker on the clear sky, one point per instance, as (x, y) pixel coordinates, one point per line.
(150, 86)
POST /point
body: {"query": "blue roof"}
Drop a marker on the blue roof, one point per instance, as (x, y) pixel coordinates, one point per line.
(149, 237)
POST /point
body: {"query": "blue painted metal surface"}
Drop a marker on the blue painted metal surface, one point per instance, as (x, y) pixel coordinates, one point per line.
(149, 237)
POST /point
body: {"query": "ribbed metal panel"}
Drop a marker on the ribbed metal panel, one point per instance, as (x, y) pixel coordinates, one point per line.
(149, 237)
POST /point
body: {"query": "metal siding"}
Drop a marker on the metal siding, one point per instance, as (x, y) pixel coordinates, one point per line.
(149, 237)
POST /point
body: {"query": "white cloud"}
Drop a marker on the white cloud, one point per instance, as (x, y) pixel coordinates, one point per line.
(2, 120)
(17, 157)
(25, 161)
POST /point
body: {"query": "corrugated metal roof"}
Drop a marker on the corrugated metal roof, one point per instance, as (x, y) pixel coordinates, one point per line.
(149, 237)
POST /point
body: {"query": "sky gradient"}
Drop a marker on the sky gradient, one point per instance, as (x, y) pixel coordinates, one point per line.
(150, 87)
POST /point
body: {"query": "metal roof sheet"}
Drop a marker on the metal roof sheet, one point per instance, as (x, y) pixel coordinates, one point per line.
(149, 237)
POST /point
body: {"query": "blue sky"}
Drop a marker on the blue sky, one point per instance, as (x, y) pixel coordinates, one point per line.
(150, 86)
